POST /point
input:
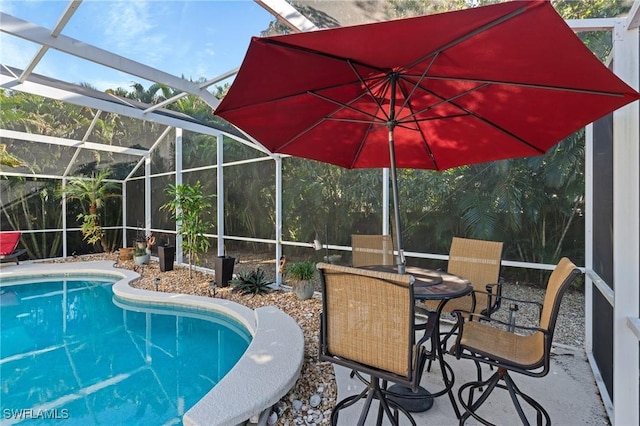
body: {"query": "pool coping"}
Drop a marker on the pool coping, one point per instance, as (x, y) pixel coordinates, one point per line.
(264, 374)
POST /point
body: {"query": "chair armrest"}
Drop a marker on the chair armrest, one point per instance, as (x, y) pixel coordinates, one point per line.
(531, 302)
(510, 299)
(462, 314)
(497, 292)
(457, 349)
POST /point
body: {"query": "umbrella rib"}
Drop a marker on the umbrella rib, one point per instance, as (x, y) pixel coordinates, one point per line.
(342, 106)
(470, 113)
(347, 106)
(290, 141)
(422, 120)
(413, 114)
(290, 96)
(368, 89)
(519, 84)
(361, 146)
(355, 120)
(415, 86)
(470, 35)
(412, 118)
(318, 53)
(506, 132)
(422, 134)
(328, 117)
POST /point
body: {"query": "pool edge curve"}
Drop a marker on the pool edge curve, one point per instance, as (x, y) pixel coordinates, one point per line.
(264, 374)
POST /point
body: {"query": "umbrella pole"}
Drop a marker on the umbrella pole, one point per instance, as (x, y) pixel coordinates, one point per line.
(391, 124)
(400, 260)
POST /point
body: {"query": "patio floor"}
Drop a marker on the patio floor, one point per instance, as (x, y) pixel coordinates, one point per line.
(568, 393)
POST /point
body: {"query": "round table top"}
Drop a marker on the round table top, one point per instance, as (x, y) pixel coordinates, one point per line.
(430, 284)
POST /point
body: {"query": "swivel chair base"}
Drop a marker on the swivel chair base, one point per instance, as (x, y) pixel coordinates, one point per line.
(471, 406)
(373, 391)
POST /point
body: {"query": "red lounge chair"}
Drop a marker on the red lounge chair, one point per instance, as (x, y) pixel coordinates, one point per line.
(8, 244)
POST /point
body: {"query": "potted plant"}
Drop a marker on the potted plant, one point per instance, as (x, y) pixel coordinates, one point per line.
(140, 256)
(188, 206)
(93, 191)
(143, 245)
(299, 275)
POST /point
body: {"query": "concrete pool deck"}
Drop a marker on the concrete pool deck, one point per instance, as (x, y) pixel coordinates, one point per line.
(569, 394)
(265, 373)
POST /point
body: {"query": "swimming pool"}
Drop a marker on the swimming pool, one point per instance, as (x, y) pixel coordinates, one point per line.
(264, 374)
(71, 350)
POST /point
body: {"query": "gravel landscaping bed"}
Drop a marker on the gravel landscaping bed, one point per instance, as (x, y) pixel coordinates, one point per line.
(313, 396)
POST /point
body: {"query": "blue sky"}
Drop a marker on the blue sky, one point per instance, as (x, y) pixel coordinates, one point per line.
(186, 38)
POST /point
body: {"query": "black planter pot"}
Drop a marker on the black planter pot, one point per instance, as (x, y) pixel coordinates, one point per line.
(223, 267)
(166, 256)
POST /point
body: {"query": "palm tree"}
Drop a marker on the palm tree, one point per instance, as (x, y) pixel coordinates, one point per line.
(94, 191)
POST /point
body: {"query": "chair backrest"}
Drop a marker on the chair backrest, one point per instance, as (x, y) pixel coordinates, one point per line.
(371, 250)
(537, 345)
(9, 241)
(368, 317)
(477, 261)
(561, 277)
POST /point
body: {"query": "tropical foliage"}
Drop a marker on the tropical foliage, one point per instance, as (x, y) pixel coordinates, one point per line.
(301, 271)
(188, 206)
(253, 282)
(94, 192)
(534, 205)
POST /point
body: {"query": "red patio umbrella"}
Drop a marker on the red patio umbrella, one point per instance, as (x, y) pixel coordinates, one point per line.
(432, 92)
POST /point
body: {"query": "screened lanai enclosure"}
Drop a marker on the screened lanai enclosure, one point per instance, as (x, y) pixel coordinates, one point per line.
(152, 128)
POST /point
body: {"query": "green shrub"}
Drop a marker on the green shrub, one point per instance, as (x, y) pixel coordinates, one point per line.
(301, 271)
(254, 282)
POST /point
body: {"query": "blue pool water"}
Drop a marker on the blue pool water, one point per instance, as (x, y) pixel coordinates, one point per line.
(71, 353)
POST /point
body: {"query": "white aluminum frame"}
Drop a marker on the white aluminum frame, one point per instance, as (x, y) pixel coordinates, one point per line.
(623, 409)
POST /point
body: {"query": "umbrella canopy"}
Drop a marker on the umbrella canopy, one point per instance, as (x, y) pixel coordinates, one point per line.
(432, 92)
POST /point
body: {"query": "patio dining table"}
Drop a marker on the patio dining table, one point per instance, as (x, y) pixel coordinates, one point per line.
(430, 284)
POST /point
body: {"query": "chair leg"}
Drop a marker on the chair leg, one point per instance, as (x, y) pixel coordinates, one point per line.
(373, 391)
(514, 391)
(347, 402)
(449, 380)
(438, 351)
(387, 404)
(367, 406)
(381, 408)
(472, 406)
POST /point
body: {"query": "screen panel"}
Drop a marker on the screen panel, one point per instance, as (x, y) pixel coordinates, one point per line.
(602, 246)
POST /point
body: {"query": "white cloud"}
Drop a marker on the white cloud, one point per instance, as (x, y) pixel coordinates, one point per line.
(131, 29)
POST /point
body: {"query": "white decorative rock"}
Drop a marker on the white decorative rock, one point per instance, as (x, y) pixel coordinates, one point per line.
(315, 400)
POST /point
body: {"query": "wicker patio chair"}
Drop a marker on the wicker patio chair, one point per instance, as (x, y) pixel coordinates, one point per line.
(529, 354)
(367, 325)
(371, 250)
(477, 261)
